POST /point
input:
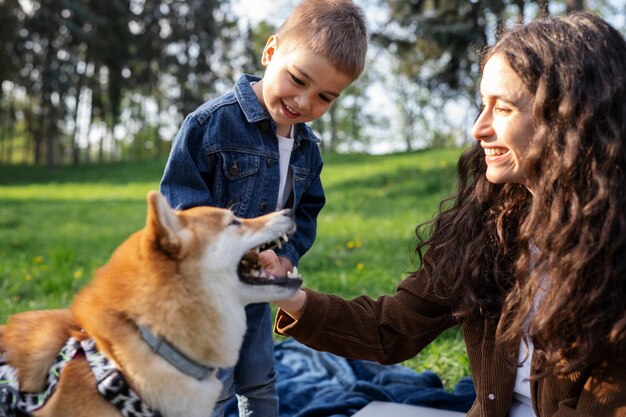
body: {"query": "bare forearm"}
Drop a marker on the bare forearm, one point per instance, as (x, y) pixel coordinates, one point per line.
(293, 306)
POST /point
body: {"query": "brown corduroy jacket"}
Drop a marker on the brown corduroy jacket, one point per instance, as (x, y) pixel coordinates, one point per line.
(394, 328)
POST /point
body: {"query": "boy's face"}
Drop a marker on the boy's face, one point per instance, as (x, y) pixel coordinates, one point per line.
(298, 85)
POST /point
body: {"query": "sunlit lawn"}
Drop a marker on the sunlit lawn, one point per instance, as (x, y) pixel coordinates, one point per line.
(57, 227)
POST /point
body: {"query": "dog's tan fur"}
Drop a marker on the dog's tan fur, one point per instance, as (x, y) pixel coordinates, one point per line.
(177, 276)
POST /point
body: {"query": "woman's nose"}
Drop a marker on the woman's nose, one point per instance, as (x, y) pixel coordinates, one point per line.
(483, 125)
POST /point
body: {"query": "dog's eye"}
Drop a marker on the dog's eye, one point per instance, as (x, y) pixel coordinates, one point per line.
(234, 222)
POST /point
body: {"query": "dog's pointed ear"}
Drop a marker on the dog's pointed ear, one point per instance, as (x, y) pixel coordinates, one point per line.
(163, 226)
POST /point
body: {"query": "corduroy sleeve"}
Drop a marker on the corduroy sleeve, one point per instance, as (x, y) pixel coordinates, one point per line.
(388, 330)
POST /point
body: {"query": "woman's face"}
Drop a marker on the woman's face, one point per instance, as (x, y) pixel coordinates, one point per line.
(504, 127)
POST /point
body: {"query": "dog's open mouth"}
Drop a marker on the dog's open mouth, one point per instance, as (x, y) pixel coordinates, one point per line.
(251, 272)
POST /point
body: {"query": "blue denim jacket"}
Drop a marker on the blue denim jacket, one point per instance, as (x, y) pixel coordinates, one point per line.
(226, 154)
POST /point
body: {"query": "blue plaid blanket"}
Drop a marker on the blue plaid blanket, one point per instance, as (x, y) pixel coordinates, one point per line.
(320, 384)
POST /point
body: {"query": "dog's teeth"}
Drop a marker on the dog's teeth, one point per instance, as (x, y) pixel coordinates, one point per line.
(266, 275)
(277, 241)
(257, 249)
(285, 238)
(293, 273)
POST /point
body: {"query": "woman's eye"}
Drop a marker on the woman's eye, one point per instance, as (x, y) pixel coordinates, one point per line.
(503, 110)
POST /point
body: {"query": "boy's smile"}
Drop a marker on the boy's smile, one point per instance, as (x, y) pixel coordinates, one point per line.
(298, 86)
(289, 112)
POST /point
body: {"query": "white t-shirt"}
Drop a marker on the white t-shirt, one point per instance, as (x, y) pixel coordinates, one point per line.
(285, 146)
(521, 405)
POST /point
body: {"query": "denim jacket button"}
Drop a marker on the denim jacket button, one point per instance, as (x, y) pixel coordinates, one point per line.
(264, 206)
(234, 170)
(270, 162)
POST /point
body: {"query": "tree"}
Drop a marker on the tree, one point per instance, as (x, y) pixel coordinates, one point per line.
(434, 40)
(574, 5)
(44, 43)
(200, 36)
(11, 18)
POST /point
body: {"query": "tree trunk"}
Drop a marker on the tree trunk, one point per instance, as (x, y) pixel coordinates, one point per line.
(38, 134)
(9, 149)
(544, 7)
(332, 143)
(4, 146)
(75, 147)
(88, 148)
(5, 139)
(50, 132)
(101, 147)
(573, 5)
(520, 11)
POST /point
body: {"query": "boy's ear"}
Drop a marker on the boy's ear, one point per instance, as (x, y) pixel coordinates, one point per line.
(269, 50)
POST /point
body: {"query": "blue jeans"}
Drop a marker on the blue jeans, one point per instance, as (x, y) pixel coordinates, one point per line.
(253, 379)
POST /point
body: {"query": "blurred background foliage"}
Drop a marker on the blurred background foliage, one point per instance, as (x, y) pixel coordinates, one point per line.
(90, 81)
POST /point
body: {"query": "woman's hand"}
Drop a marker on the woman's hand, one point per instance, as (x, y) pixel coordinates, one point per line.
(294, 305)
(279, 266)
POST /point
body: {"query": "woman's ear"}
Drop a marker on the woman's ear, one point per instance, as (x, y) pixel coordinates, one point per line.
(269, 50)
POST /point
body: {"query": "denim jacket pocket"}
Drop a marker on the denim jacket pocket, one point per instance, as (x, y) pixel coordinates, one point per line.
(239, 171)
(237, 165)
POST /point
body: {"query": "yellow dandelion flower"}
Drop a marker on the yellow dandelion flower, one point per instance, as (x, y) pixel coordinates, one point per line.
(38, 259)
(360, 266)
(78, 274)
(350, 245)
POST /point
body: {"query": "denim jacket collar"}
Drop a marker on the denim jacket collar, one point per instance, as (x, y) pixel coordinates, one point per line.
(254, 111)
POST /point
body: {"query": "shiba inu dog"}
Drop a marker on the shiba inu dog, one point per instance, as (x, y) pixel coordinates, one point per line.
(145, 336)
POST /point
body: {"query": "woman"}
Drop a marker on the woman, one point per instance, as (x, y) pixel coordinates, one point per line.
(529, 257)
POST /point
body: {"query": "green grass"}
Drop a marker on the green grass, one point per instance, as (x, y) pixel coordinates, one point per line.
(57, 227)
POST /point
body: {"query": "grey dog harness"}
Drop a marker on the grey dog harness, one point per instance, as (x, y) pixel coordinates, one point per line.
(109, 382)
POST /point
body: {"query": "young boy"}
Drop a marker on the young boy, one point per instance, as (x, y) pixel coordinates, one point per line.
(251, 151)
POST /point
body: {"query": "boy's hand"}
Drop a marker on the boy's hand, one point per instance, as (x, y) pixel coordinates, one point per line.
(277, 266)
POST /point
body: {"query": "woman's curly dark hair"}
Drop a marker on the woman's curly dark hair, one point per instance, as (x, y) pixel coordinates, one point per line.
(551, 265)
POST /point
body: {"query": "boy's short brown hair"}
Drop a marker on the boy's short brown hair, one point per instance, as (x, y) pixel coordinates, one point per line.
(335, 29)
